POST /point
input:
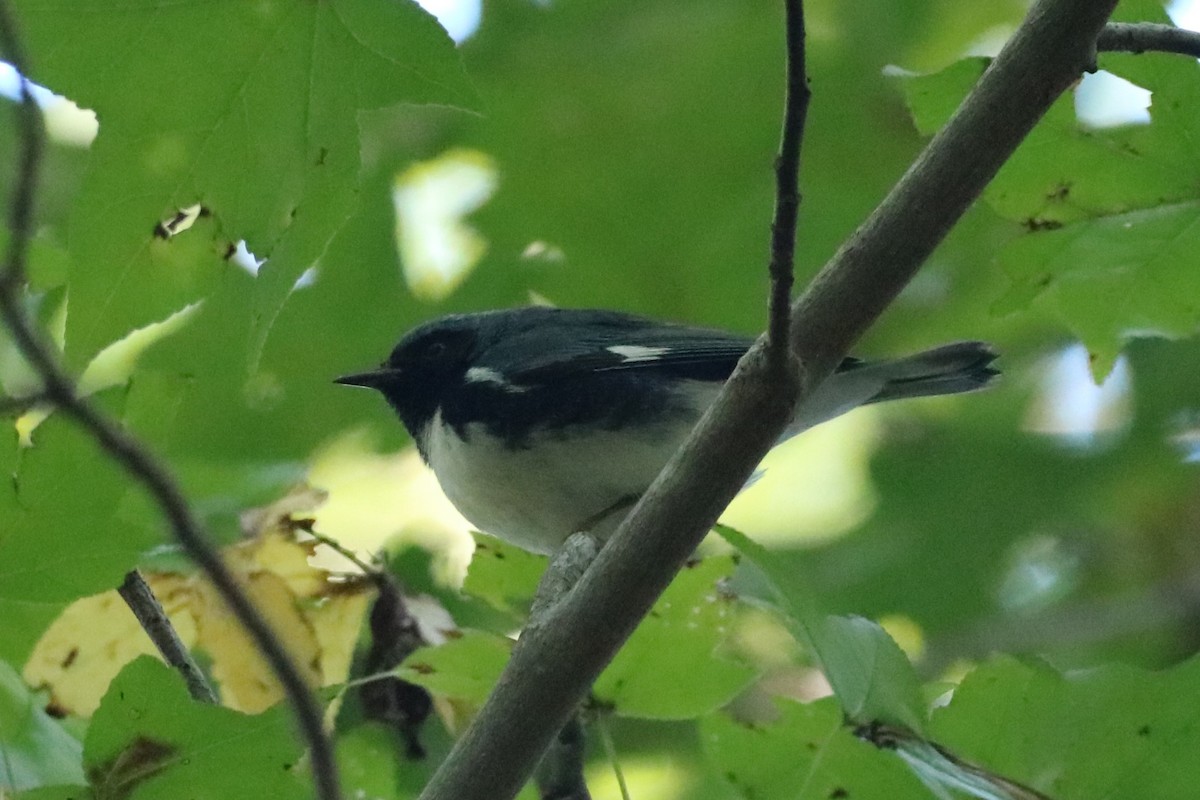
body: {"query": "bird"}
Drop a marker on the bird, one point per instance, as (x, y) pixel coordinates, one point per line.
(542, 422)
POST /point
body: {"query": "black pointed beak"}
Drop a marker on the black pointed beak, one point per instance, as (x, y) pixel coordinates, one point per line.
(375, 379)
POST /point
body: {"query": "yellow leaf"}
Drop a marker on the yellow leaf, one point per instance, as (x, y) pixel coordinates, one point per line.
(84, 649)
(317, 620)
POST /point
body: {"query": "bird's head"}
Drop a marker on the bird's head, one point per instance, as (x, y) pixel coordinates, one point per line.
(429, 361)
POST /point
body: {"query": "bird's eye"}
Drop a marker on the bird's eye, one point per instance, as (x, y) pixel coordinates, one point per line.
(435, 351)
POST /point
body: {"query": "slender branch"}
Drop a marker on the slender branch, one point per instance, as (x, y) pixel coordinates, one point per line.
(553, 669)
(1142, 37)
(610, 749)
(124, 448)
(787, 183)
(16, 406)
(154, 621)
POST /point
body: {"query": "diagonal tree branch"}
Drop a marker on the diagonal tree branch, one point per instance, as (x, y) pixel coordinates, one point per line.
(125, 449)
(555, 665)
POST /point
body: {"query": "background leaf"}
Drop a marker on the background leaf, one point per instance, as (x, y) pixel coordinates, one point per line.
(682, 635)
(1114, 731)
(807, 753)
(27, 735)
(248, 110)
(1108, 213)
(632, 145)
(74, 526)
(149, 740)
(465, 667)
(869, 673)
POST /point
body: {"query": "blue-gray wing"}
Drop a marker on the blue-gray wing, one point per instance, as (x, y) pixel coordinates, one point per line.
(542, 346)
(574, 343)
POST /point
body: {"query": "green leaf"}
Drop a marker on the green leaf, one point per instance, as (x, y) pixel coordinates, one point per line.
(808, 753)
(504, 576)
(58, 793)
(35, 750)
(247, 108)
(149, 739)
(871, 676)
(1110, 277)
(869, 673)
(681, 635)
(59, 171)
(1116, 732)
(74, 524)
(1064, 173)
(1109, 213)
(369, 767)
(932, 99)
(465, 667)
(581, 169)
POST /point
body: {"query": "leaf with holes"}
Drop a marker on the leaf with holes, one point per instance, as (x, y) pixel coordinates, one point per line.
(247, 109)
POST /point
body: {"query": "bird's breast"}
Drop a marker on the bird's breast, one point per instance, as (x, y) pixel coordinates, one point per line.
(536, 495)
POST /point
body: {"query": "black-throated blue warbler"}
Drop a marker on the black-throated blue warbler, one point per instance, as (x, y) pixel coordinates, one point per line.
(540, 422)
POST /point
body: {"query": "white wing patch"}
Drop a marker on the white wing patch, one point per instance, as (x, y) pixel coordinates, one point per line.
(633, 352)
(491, 376)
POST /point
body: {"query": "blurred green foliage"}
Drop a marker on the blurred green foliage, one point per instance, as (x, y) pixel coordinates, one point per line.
(633, 142)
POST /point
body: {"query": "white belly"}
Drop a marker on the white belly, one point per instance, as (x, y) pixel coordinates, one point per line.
(535, 498)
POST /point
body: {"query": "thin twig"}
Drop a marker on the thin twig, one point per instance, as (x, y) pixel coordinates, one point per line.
(370, 570)
(787, 186)
(141, 600)
(124, 448)
(610, 749)
(19, 405)
(1142, 37)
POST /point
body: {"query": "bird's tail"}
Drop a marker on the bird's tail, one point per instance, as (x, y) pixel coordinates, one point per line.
(949, 369)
